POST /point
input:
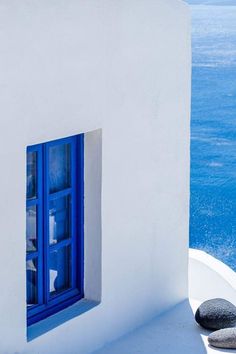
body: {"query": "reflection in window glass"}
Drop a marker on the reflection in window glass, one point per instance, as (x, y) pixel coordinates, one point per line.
(31, 228)
(31, 275)
(60, 270)
(31, 175)
(59, 219)
(59, 167)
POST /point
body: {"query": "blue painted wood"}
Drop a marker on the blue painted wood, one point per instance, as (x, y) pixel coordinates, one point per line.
(38, 202)
(39, 225)
(53, 310)
(31, 255)
(73, 212)
(46, 224)
(32, 202)
(60, 194)
(47, 304)
(62, 243)
(59, 318)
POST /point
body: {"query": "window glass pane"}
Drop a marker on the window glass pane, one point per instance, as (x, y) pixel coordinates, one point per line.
(59, 219)
(60, 270)
(32, 275)
(31, 175)
(59, 167)
(31, 228)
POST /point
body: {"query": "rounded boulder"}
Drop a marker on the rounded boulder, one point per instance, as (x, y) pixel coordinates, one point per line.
(224, 338)
(216, 314)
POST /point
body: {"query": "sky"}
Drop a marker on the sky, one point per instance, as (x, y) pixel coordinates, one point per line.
(211, 2)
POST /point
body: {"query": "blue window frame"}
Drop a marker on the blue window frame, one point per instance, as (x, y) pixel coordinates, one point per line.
(54, 226)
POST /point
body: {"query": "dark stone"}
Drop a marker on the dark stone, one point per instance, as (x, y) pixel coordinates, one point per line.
(224, 338)
(216, 314)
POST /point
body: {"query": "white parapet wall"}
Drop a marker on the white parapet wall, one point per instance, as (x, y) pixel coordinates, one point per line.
(120, 71)
(210, 278)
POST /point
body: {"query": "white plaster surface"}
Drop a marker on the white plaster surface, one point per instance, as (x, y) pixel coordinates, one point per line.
(92, 217)
(176, 331)
(210, 278)
(72, 66)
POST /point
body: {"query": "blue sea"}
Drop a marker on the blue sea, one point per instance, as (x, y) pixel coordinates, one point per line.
(213, 132)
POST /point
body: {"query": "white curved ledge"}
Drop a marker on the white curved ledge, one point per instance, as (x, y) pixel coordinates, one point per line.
(210, 278)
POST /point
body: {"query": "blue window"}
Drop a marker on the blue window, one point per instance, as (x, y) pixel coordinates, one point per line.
(54, 226)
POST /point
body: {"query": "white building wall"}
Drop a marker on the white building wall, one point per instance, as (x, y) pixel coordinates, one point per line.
(71, 66)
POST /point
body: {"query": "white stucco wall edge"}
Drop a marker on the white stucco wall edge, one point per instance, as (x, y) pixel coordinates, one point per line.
(210, 278)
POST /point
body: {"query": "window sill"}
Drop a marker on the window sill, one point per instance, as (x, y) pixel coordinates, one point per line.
(43, 326)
